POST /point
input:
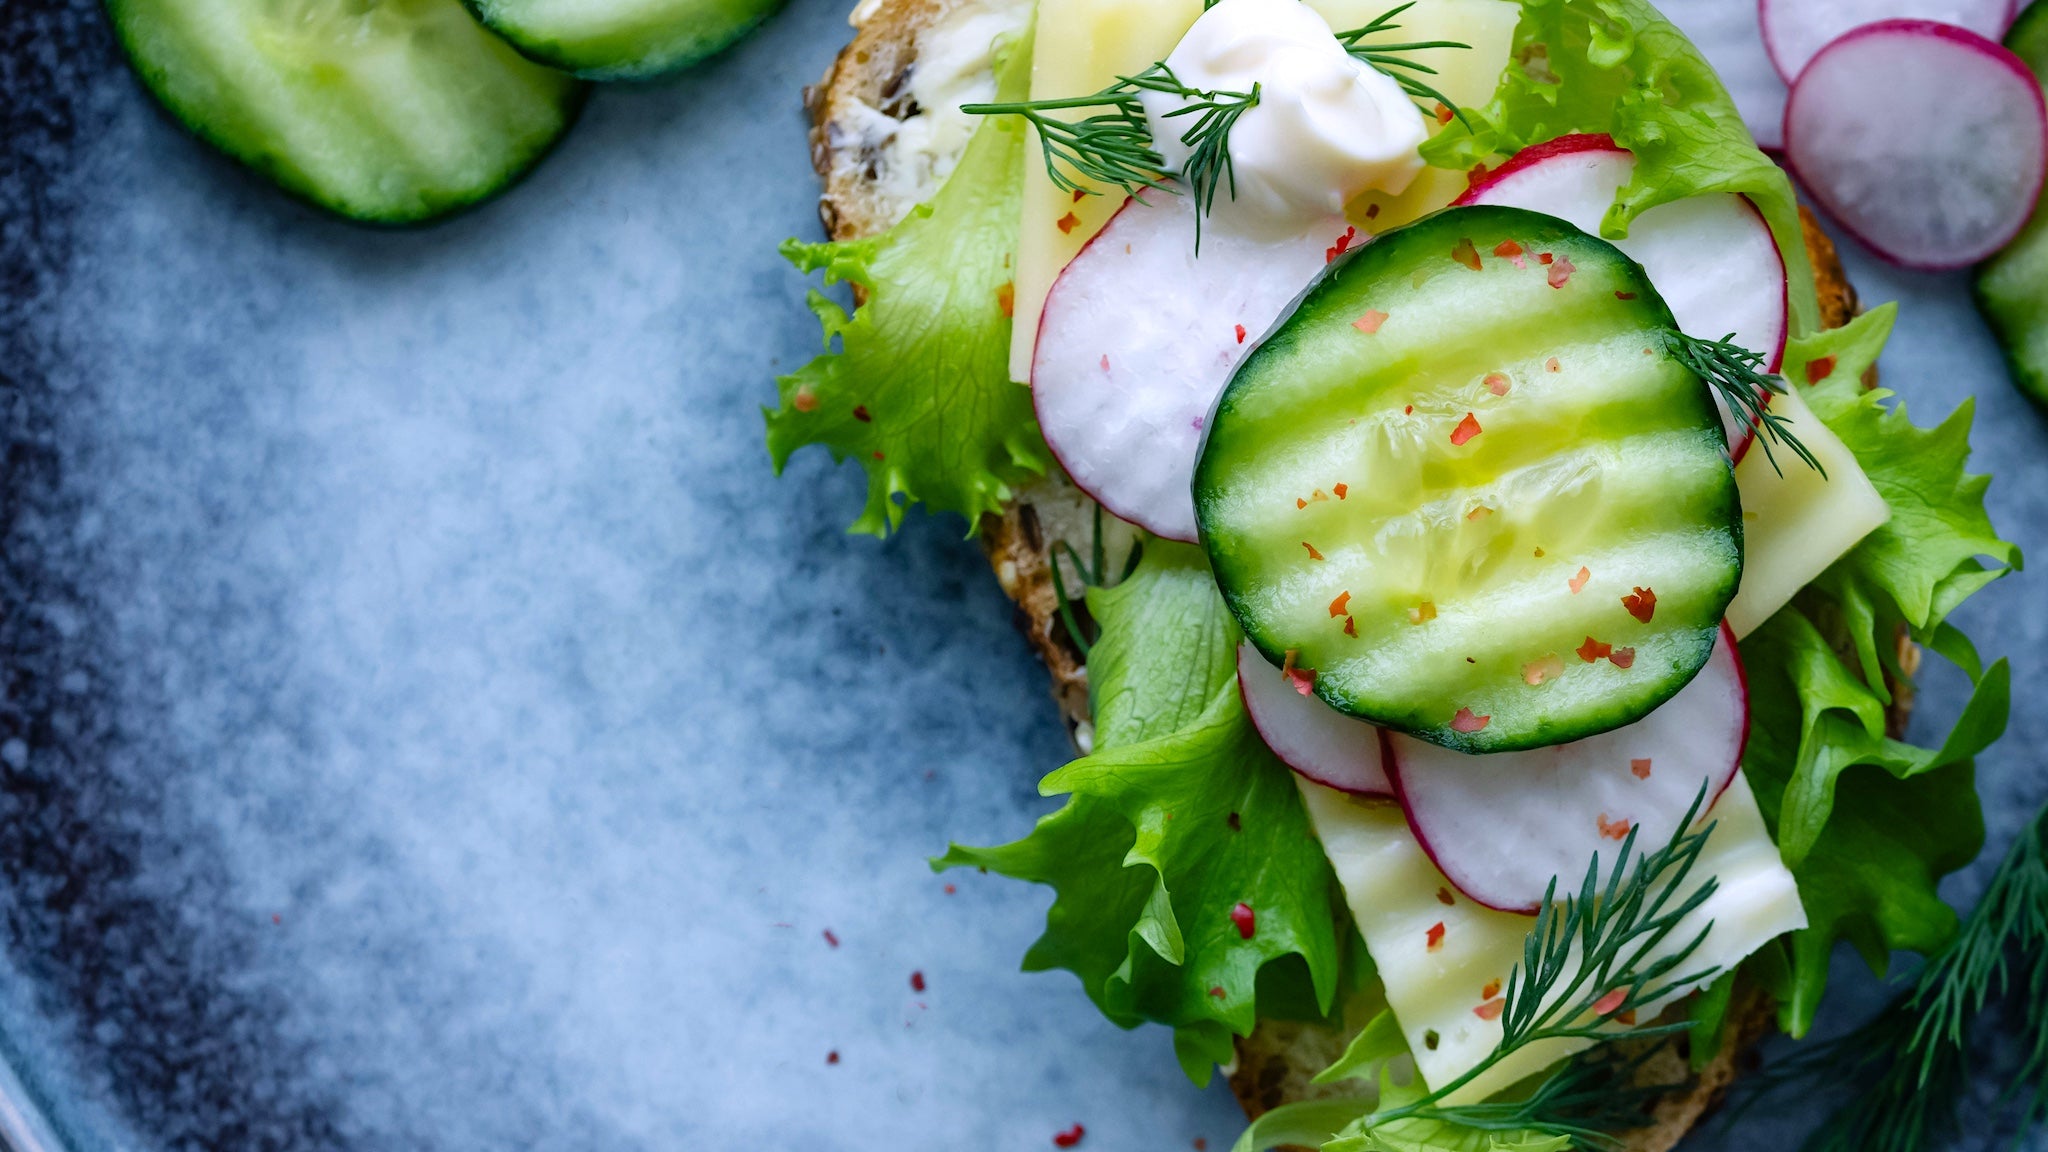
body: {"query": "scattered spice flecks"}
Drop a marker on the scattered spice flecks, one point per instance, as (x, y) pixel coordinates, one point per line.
(1640, 767)
(1620, 295)
(1068, 223)
(1479, 513)
(1579, 581)
(1371, 211)
(1609, 1002)
(1464, 253)
(1430, 1039)
(1370, 322)
(1434, 938)
(1561, 271)
(1491, 990)
(1622, 657)
(1070, 1137)
(917, 981)
(1235, 822)
(1078, 194)
(1539, 553)
(877, 455)
(1105, 361)
(1422, 613)
(1340, 490)
(1628, 1018)
(1201, 1145)
(1351, 627)
(1242, 916)
(1641, 604)
(860, 413)
(1337, 605)
(1300, 503)
(1217, 991)
(1343, 243)
(832, 1057)
(1465, 721)
(1497, 383)
(1549, 666)
(1544, 258)
(1819, 369)
(1312, 553)
(1303, 679)
(831, 940)
(1240, 333)
(1443, 113)
(1593, 650)
(1443, 896)
(805, 400)
(1511, 251)
(1551, 365)
(1466, 430)
(1491, 1009)
(1477, 174)
(1408, 411)
(1612, 829)
(1006, 298)
(950, 889)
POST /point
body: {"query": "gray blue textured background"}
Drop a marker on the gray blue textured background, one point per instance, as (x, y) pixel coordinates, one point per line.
(427, 725)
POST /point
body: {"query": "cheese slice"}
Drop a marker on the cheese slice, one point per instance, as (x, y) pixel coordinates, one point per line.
(1796, 524)
(1399, 899)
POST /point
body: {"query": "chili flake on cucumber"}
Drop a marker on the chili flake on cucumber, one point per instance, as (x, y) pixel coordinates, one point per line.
(1468, 491)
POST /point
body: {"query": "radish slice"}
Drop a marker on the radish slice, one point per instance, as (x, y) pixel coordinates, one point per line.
(1140, 333)
(1924, 140)
(1309, 736)
(1711, 257)
(1501, 826)
(1796, 30)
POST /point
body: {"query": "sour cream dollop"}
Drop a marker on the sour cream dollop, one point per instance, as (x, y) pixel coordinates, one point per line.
(1327, 126)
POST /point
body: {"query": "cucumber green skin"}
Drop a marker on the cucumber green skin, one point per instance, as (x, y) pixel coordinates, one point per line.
(1316, 382)
(501, 112)
(663, 36)
(2011, 288)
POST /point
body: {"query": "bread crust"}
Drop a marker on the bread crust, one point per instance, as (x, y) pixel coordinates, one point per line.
(1275, 1062)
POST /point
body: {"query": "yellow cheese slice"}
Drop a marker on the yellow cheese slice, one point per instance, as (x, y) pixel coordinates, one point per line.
(1398, 898)
(1796, 524)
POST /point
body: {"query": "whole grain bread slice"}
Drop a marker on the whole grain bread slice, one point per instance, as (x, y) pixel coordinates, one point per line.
(1274, 1064)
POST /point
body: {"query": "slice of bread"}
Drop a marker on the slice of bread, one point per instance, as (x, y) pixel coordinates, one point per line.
(851, 148)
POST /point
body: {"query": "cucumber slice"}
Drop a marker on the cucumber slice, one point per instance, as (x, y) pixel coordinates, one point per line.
(2012, 287)
(622, 39)
(385, 111)
(1479, 506)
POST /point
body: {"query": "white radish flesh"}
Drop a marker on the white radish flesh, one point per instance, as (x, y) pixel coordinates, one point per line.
(1309, 736)
(1502, 826)
(1138, 336)
(1711, 257)
(1796, 30)
(1924, 140)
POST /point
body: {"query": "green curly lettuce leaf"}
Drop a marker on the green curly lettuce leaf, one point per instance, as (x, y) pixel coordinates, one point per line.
(1619, 67)
(919, 390)
(1178, 816)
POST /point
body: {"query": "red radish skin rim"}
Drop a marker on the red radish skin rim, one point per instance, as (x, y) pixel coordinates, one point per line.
(1393, 764)
(1573, 143)
(1304, 773)
(2012, 12)
(1991, 50)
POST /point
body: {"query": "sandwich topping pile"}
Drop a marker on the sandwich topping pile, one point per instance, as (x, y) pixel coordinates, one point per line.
(1493, 581)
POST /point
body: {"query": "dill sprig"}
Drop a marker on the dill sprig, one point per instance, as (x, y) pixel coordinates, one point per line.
(1737, 374)
(1586, 969)
(1391, 59)
(1913, 1058)
(1092, 576)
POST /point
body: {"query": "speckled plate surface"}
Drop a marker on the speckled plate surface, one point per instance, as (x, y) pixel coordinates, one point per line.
(427, 725)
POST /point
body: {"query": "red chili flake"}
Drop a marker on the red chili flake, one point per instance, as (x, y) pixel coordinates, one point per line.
(1370, 322)
(1303, 679)
(1628, 1018)
(1465, 721)
(1551, 364)
(1579, 581)
(1240, 333)
(1549, 666)
(1371, 211)
(1343, 243)
(1201, 1145)
(1622, 657)
(1620, 295)
(917, 981)
(1422, 613)
(1070, 1137)
(1300, 503)
(1246, 922)
(1006, 298)
(831, 939)
(1443, 113)
(860, 413)
(1497, 383)
(1508, 249)
(1351, 627)
(1640, 768)
(1641, 604)
(1408, 411)
(1434, 938)
(1069, 222)
(1464, 253)
(832, 1057)
(1312, 553)
(1479, 513)
(1544, 258)
(1337, 605)
(1466, 430)
(1235, 822)
(950, 889)
(1218, 992)
(878, 455)
(1561, 271)
(1078, 193)
(805, 400)
(1443, 896)
(1612, 829)
(1819, 369)
(1339, 490)
(1491, 990)
(1609, 1002)
(1491, 1009)
(1593, 650)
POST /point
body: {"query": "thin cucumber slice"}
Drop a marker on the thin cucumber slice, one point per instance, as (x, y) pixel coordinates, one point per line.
(1479, 505)
(385, 111)
(2012, 287)
(622, 39)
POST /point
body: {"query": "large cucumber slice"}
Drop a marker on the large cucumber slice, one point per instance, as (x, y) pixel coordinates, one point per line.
(388, 111)
(2012, 287)
(622, 39)
(1463, 491)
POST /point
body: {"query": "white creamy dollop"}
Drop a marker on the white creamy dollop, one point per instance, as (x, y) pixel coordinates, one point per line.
(1326, 128)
